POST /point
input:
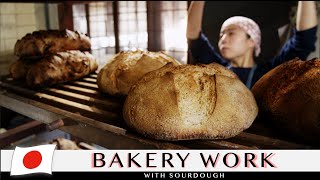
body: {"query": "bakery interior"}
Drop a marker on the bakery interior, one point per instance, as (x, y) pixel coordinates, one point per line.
(76, 115)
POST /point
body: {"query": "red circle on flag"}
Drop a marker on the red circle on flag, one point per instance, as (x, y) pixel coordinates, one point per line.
(32, 159)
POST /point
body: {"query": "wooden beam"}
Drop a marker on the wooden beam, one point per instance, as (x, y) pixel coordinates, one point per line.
(266, 142)
(20, 132)
(88, 21)
(154, 25)
(115, 8)
(27, 109)
(65, 15)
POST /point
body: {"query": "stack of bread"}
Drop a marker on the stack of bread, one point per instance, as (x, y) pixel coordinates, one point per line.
(49, 57)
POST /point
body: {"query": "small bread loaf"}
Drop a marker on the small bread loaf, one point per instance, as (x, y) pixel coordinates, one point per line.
(125, 68)
(46, 42)
(190, 102)
(288, 97)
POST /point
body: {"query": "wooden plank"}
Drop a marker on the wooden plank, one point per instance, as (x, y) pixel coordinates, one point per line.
(81, 107)
(90, 101)
(115, 9)
(22, 131)
(31, 110)
(266, 142)
(92, 93)
(89, 80)
(93, 76)
(261, 129)
(84, 84)
(80, 90)
(266, 137)
(86, 6)
(154, 20)
(65, 15)
(86, 110)
(214, 144)
(68, 87)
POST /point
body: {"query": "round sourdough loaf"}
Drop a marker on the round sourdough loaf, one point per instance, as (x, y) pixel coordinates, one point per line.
(190, 102)
(289, 96)
(127, 67)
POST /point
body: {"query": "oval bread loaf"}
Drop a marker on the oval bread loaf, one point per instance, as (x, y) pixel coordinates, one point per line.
(44, 42)
(190, 102)
(127, 67)
(61, 67)
(288, 97)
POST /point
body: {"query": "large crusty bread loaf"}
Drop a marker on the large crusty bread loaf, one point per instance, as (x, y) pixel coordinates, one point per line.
(127, 67)
(46, 42)
(288, 97)
(190, 102)
(55, 68)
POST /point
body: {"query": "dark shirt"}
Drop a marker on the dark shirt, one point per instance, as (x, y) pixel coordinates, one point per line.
(300, 45)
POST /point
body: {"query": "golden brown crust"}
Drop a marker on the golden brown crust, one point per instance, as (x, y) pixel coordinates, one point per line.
(125, 68)
(56, 68)
(61, 67)
(19, 69)
(46, 42)
(289, 96)
(190, 102)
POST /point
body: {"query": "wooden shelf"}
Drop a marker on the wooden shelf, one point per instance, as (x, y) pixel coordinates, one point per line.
(97, 118)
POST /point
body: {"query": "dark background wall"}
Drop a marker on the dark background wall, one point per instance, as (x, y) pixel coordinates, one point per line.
(270, 15)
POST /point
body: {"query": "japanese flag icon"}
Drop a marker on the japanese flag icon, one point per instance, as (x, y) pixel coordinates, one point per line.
(36, 159)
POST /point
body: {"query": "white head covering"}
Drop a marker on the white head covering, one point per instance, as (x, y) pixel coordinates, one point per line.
(250, 27)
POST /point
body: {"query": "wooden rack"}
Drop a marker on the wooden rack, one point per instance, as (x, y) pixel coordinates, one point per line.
(80, 109)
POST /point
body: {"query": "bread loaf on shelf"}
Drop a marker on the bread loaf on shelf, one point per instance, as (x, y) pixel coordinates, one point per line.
(44, 42)
(55, 68)
(61, 67)
(190, 102)
(127, 67)
(288, 97)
